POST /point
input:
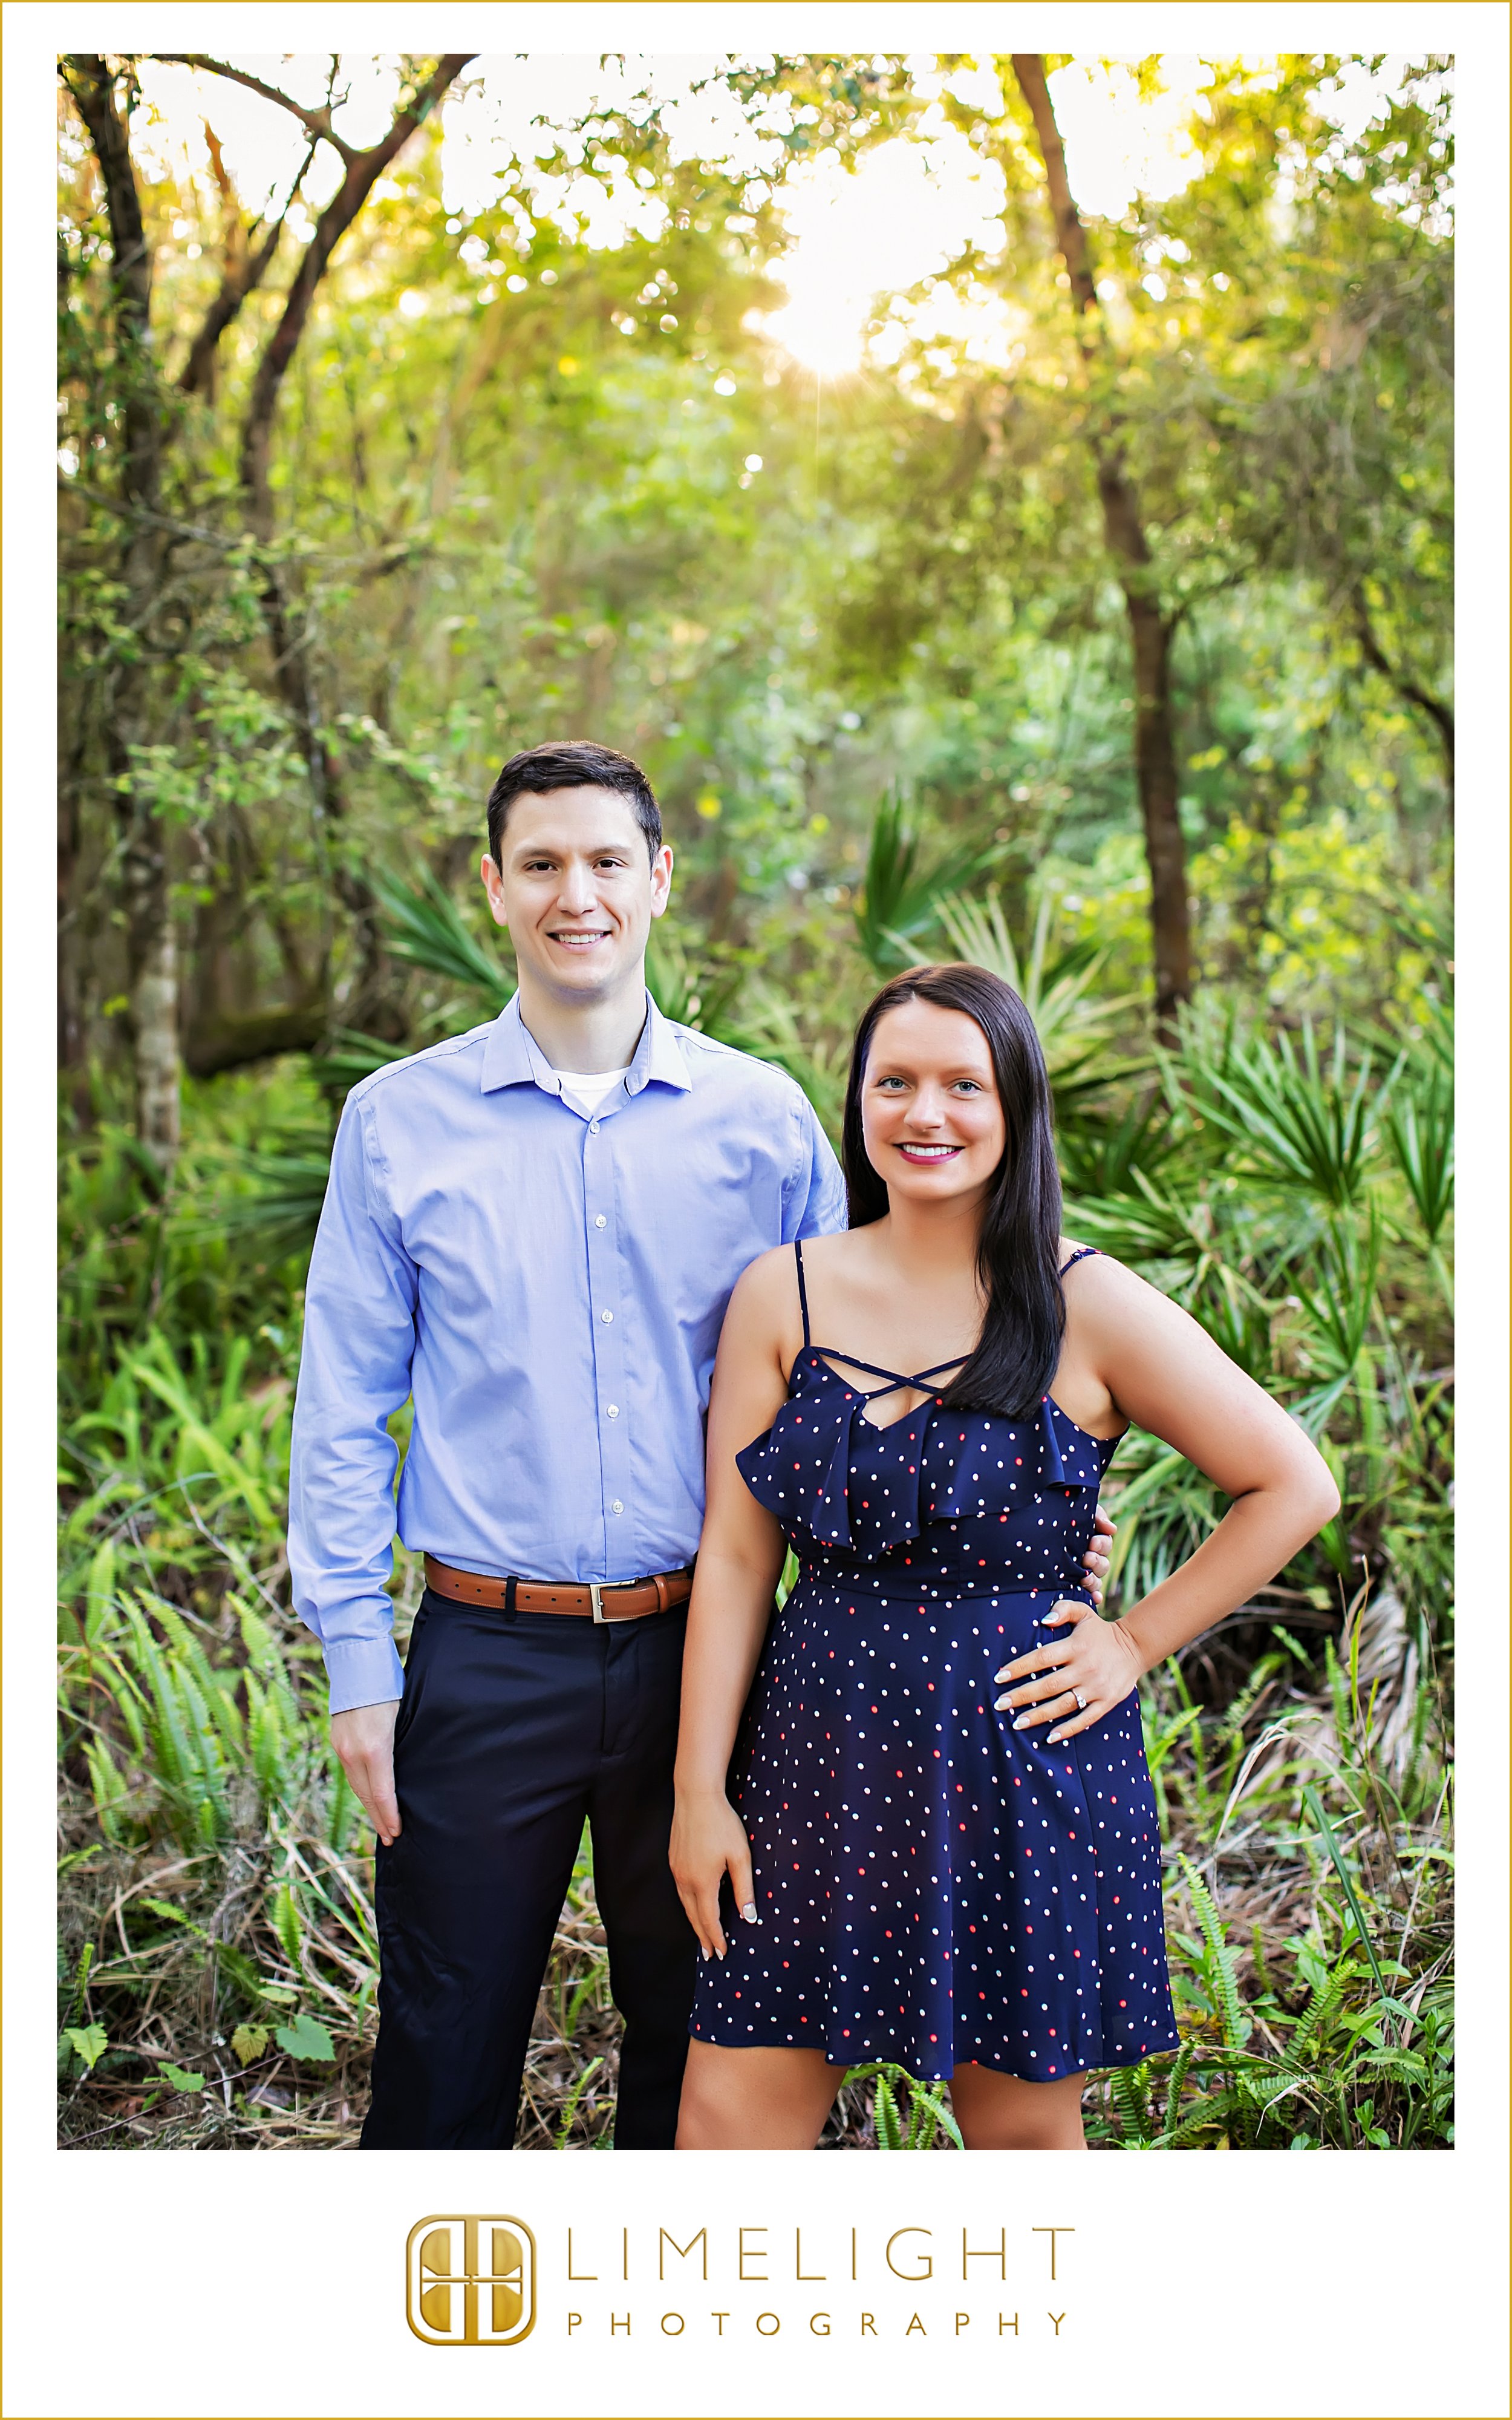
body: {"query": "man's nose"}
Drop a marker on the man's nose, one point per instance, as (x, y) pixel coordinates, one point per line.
(577, 892)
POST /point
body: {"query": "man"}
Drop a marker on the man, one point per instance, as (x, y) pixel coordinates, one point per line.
(532, 1229)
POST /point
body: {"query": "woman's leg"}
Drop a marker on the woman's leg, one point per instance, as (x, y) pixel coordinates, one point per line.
(754, 2100)
(1002, 2112)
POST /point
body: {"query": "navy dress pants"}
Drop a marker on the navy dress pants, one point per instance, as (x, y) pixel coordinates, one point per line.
(511, 1731)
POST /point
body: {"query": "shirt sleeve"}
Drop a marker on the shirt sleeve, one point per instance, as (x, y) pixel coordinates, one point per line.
(354, 1372)
(813, 1198)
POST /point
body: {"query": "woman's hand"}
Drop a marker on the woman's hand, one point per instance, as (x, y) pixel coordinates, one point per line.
(709, 1841)
(1096, 1559)
(1077, 1679)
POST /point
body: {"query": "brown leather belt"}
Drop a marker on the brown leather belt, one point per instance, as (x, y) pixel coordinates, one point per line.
(620, 1601)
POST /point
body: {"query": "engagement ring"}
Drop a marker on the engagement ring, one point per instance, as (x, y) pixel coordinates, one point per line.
(1080, 1701)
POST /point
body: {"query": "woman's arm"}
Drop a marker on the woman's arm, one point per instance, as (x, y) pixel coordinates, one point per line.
(739, 1561)
(1166, 1374)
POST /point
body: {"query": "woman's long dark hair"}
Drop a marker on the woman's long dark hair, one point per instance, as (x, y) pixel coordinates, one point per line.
(1019, 1250)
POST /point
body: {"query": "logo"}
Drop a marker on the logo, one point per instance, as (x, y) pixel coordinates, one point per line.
(471, 2281)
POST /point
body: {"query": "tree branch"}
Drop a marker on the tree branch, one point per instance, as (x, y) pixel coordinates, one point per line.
(244, 273)
(315, 122)
(362, 172)
(1440, 715)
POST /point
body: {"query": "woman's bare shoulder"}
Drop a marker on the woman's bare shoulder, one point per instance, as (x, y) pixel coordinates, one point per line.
(760, 1275)
(765, 1317)
(768, 1285)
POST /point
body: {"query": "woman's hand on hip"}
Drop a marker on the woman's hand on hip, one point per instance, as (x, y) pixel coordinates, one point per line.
(1076, 1680)
(1097, 1558)
(709, 1841)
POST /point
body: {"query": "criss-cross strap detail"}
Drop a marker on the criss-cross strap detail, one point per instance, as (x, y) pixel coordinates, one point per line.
(872, 1394)
(832, 1353)
(1083, 1252)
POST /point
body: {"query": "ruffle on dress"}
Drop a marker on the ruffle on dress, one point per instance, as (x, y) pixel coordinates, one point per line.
(933, 1464)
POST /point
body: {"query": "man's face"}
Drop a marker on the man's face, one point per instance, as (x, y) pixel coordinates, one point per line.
(576, 890)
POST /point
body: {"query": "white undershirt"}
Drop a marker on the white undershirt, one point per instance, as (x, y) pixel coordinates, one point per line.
(589, 1090)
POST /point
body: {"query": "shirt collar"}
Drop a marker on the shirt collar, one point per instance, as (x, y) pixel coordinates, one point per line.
(511, 1057)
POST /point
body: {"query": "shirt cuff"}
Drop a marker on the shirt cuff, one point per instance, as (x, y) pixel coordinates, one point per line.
(362, 1673)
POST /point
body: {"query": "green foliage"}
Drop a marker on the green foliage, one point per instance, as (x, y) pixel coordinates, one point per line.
(1301, 1125)
(904, 893)
(306, 2038)
(87, 2043)
(906, 2115)
(425, 929)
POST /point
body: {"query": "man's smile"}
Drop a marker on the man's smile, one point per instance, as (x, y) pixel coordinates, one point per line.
(587, 940)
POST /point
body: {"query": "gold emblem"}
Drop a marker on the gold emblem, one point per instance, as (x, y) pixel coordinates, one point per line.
(471, 2281)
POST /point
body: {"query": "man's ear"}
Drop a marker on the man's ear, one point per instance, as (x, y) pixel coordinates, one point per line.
(493, 883)
(661, 880)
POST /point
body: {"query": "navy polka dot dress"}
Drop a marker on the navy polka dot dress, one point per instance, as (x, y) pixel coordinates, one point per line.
(933, 1887)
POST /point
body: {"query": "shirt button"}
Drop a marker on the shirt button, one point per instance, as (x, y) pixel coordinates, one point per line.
(601, 1220)
(592, 1125)
(613, 1411)
(616, 1506)
(606, 1316)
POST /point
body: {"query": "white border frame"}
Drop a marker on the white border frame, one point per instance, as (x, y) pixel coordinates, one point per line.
(1360, 2281)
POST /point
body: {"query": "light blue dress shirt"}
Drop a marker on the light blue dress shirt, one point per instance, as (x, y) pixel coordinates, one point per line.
(548, 1283)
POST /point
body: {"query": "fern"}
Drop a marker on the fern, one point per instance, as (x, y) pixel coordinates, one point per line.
(1219, 1966)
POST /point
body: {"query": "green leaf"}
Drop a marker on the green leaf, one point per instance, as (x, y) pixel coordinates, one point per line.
(1315, 1808)
(885, 2111)
(306, 2037)
(183, 2079)
(87, 2042)
(249, 2043)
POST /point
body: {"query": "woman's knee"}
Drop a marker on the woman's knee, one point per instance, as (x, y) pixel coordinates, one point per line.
(1007, 2113)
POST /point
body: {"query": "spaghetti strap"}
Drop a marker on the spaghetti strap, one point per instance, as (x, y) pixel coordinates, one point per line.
(876, 1372)
(1083, 1252)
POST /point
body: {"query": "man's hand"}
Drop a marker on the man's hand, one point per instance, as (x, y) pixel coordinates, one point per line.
(1096, 1556)
(362, 1737)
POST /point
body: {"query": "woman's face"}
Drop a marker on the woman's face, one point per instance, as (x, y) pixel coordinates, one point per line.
(930, 1113)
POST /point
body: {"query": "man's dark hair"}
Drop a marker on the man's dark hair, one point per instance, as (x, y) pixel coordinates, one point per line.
(573, 765)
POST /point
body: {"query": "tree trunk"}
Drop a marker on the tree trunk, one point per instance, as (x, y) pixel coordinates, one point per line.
(151, 950)
(1150, 628)
(155, 1034)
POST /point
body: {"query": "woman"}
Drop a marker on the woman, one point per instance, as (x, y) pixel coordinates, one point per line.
(945, 1852)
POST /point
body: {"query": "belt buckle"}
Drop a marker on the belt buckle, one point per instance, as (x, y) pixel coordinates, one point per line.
(596, 1593)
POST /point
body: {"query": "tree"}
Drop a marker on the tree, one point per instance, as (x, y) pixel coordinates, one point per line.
(1151, 623)
(101, 91)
